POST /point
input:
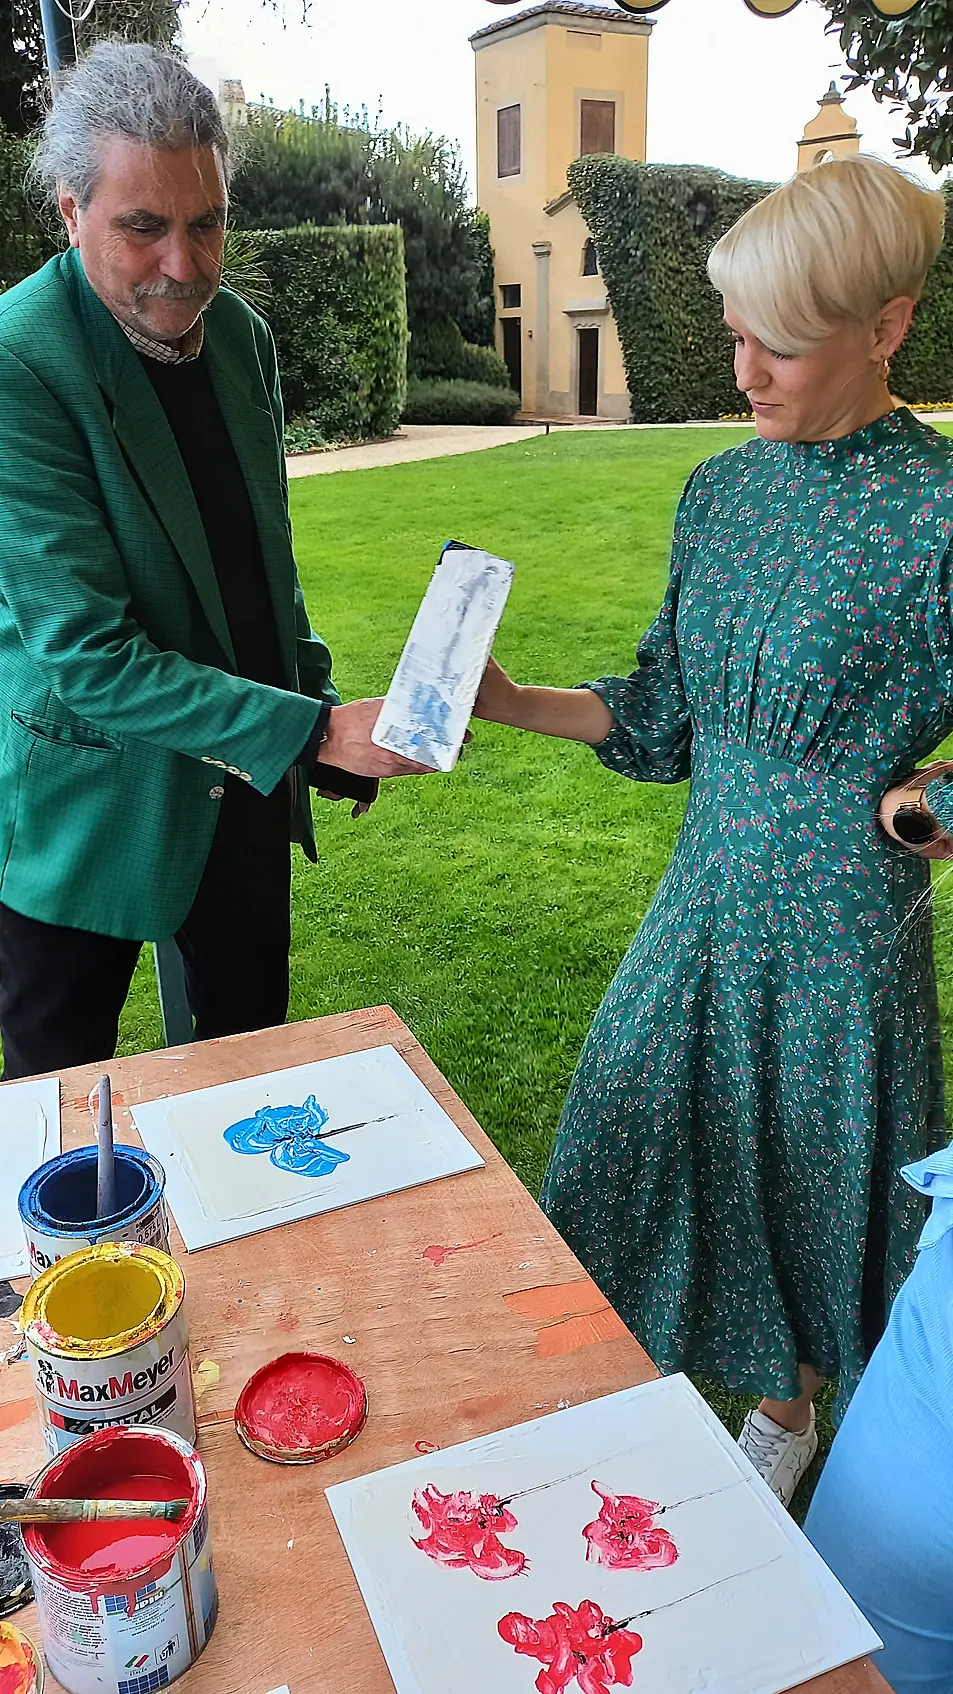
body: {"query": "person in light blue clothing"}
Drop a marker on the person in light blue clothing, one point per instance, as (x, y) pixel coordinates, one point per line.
(882, 1516)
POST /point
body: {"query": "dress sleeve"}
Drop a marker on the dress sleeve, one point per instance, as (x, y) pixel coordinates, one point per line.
(651, 737)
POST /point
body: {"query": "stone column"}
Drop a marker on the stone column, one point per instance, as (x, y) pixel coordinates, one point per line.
(542, 250)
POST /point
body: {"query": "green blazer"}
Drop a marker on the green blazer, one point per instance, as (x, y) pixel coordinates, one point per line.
(119, 704)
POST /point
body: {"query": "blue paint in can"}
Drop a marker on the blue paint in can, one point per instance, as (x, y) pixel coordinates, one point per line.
(58, 1205)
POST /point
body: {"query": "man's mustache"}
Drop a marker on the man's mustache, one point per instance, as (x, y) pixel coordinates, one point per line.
(170, 290)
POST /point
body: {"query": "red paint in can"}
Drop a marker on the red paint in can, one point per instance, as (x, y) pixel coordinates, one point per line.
(124, 1607)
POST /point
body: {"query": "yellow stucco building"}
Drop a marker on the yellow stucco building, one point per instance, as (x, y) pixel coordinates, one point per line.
(832, 134)
(553, 82)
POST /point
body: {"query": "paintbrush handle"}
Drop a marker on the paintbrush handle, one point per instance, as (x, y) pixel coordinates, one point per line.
(105, 1163)
(89, 1511)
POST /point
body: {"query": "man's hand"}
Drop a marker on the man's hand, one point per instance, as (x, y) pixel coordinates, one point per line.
(348, 744)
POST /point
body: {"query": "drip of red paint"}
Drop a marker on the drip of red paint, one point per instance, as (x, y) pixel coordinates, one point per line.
(110, 1558)
(438, 1255)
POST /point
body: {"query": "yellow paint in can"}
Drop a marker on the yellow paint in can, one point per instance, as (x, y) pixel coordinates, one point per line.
(107, 1338)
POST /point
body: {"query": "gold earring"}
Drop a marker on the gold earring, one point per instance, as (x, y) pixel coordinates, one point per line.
(885, 369)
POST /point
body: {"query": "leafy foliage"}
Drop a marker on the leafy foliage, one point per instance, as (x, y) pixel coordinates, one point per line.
(439, 350)
(27, 238)
(243, 271)
(906, 61)
(22, 65)
(339, 319)
(153, 21)
(322, 169)
(654, 226)
(454, 402)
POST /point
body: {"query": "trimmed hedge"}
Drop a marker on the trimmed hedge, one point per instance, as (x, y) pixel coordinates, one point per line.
(440, 352)
(455, 402)
(338, 310)
(922, 371)
(654, 226)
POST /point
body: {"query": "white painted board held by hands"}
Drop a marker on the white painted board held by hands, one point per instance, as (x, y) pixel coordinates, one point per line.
(250, 1155)
(429, 703)
(29, 1135)
(626, 1542)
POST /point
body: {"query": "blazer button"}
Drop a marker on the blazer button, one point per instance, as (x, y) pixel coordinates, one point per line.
(216, 792)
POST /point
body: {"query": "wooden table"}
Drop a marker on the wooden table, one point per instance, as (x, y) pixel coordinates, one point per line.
(457, 1303)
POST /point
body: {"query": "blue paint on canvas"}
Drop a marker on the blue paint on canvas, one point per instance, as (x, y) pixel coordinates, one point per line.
(291, 1135)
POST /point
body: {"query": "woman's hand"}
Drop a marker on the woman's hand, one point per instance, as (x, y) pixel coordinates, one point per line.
(908, 794)
(497, 698)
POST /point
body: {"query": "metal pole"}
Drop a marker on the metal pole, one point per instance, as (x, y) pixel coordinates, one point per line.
(58, 39)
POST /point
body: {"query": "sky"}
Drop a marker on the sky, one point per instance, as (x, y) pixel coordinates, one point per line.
(726, 88)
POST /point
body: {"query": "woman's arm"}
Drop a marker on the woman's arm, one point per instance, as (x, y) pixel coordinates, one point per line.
(573, 714)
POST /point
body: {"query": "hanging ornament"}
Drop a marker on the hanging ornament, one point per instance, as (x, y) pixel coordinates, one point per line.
(763, 8)
(771, 8)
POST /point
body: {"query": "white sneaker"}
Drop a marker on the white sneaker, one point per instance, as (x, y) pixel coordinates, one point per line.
(777, 1455)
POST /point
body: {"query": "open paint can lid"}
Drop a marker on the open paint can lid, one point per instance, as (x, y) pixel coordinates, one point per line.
(301, 1408)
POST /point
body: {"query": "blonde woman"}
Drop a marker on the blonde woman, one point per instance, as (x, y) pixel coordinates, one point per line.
(767, 1057)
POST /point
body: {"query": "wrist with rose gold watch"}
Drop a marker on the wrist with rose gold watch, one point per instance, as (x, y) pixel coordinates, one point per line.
(906, 816)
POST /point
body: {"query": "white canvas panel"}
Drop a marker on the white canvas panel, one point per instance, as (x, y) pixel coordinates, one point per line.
(402, 1138)
(29, 1135)
(429, 703)
(747, 1606)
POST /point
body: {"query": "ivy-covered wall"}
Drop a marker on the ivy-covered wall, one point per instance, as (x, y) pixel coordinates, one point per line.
(339, 314)
(654, 226)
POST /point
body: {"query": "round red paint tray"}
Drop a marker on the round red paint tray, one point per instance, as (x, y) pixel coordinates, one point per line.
(301, 1408)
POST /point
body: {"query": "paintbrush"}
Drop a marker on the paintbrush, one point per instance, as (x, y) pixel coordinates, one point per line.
(105, 1161)
(89, 1511)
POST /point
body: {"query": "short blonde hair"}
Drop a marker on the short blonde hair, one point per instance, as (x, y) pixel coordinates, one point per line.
(830, 247)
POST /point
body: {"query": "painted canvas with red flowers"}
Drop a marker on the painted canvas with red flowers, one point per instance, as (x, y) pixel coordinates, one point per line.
(625, 1543)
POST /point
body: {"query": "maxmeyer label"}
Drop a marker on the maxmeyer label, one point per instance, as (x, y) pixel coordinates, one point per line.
(58, 1387)
(157, 1412)
(149, 1384)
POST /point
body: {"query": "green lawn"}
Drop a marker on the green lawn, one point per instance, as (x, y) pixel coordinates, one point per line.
(490, 908)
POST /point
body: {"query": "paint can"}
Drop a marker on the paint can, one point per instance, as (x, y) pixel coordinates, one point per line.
(124, 1608)
(301, 1408)
(108, 1343)
(58, 1205)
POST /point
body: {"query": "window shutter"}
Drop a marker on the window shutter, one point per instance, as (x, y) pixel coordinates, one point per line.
(508, 141)
(597, 126)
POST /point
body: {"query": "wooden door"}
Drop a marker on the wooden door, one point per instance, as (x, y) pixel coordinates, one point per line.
(588, 372)
(513, 351)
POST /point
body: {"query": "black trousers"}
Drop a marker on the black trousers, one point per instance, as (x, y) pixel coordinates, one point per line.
(62, 990)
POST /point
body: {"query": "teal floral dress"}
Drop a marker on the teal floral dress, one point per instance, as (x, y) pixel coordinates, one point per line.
(728, 1163)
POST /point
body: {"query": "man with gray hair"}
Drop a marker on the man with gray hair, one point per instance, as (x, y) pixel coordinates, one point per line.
(164, 702)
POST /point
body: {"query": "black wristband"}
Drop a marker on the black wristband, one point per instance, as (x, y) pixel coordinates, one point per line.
(312, 747)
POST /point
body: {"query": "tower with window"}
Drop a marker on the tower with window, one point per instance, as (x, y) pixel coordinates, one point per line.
(553, 82)
(831, 134)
